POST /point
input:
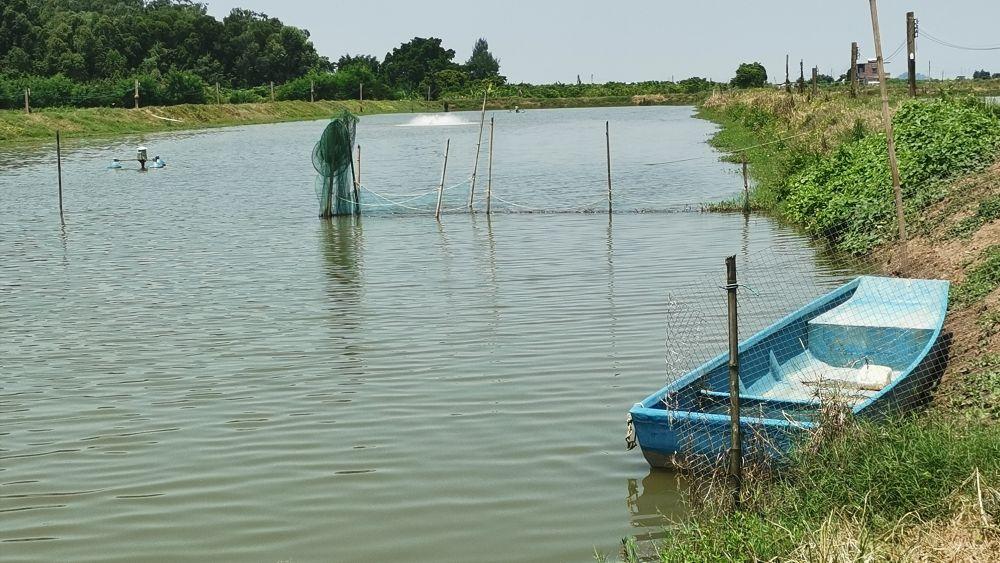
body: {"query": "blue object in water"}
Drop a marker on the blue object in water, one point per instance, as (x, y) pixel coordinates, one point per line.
(873, 345)
(157, 163)
(115, 165)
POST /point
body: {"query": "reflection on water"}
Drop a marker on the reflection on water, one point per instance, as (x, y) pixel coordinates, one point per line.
(654, 502)
(199, 366)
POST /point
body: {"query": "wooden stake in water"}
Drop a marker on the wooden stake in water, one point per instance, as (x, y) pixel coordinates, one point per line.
(357, 186)
(489, 172)
(736, 444)
(479, 145)
(444, 169)
(59, 172)
(607, 142)
(746, 186)
(887, 121)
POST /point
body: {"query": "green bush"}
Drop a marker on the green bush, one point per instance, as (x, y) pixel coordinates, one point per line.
(847, 197)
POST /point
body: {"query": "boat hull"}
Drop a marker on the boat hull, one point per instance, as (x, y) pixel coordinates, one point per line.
(689, 418)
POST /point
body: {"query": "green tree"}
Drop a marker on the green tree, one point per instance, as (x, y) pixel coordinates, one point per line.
(749, 75)
(981, 75)
(482, 64)
(369, 61)
(408, 65)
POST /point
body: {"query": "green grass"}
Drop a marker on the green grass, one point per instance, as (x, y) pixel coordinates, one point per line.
(16, 126)
(875, 474)
(832, 178)
(988, 210)
(980, 279)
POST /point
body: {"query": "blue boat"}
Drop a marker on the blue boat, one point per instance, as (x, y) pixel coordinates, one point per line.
(873, 344)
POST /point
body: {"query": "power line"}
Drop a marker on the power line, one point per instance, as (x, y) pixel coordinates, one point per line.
(954, 46)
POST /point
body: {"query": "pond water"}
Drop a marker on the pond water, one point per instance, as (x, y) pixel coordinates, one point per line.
(197, 368)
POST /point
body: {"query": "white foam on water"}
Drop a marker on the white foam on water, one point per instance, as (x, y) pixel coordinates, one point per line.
(435, 120)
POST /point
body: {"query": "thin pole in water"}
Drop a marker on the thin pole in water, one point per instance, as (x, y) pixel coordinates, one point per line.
(746, 186)
(736, 445)
(607, 142)
(479, 145)
(59, 172)
(444, 169)
(887, 121)
(357, 186)
(489, 172)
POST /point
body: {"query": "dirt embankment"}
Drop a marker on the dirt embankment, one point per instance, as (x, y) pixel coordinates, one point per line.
(958, 239)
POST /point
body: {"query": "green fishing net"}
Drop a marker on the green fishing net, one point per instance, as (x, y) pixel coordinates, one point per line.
(332, 158)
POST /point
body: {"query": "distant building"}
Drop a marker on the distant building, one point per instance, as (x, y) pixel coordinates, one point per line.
(867, 72)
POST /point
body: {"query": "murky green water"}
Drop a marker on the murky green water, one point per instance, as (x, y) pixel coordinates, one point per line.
(197, 368)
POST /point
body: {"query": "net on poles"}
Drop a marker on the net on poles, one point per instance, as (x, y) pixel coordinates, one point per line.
(332, 158)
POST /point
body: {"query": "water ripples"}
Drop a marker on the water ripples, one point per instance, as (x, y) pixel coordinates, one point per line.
(199, 369)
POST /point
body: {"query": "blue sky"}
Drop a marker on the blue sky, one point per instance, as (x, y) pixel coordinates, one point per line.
(645, 40)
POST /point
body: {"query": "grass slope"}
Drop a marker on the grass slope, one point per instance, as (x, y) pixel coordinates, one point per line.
(16, 126)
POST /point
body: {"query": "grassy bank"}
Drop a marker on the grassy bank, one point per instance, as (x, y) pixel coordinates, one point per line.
(921, 488)
(679, 99)
(17, 126)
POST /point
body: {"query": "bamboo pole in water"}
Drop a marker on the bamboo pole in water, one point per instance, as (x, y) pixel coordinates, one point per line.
(59, 171)
(357, 186)
(479, 145)
(444, 169)
(489, 172)
(607, 141)
(746, 187)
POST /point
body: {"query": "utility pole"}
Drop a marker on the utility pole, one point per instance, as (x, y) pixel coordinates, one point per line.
(802, 76)
(852, 73)
(136, 96)
(788, 83)
(887, 121)
(27, 100)
(815, 72)
(272, 90)
(312, 91)
(911, 52)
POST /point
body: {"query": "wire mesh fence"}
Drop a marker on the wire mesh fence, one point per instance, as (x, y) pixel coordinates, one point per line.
(811, 354)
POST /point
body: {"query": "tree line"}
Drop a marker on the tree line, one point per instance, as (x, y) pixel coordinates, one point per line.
(89, 53)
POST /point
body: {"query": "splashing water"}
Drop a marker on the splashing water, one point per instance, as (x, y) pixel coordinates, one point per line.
(435, 120)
